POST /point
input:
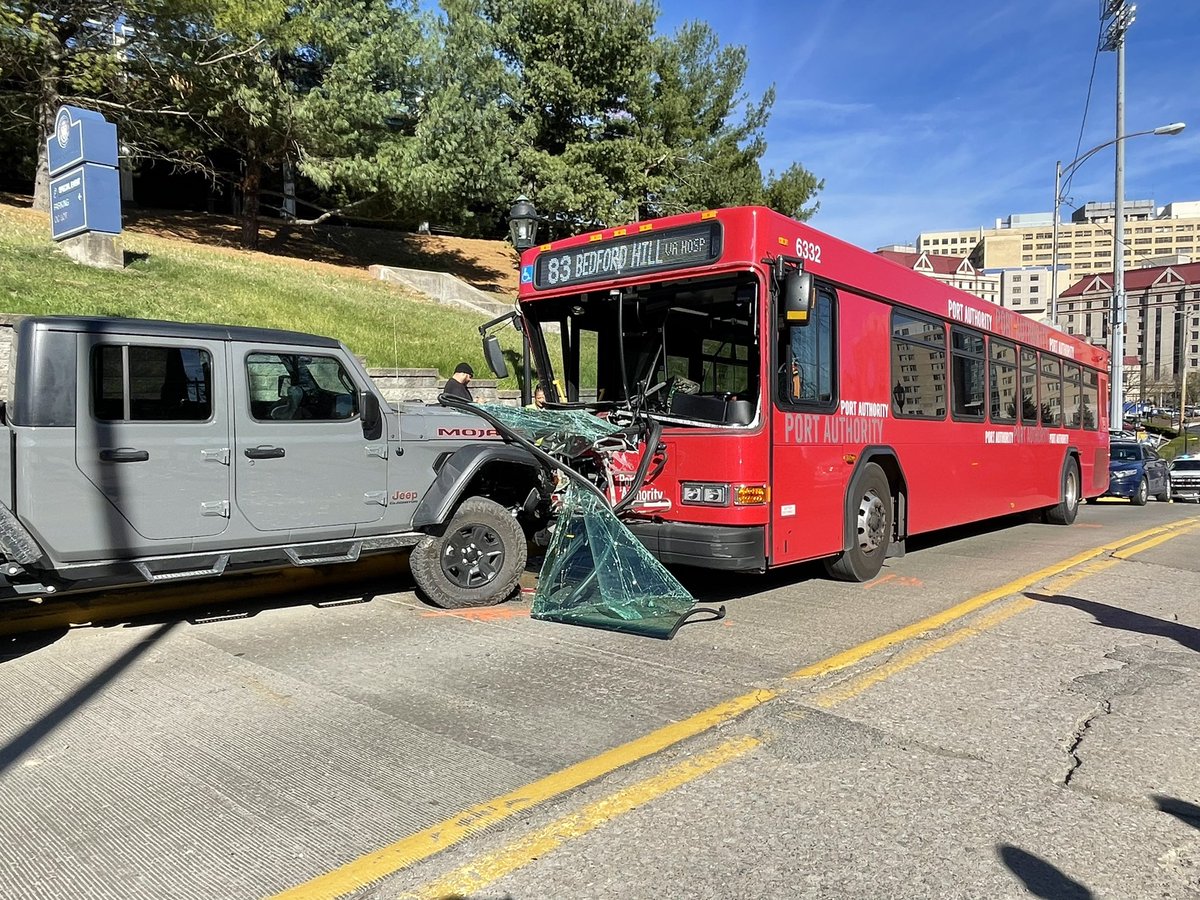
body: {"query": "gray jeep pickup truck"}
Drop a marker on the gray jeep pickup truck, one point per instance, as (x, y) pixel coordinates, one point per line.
(139, 452)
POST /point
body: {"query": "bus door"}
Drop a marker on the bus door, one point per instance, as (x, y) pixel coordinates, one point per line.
(808, 478)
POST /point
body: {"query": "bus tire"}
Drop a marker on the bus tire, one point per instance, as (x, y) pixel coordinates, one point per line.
(1142, 493)
(1067, 508)
(871, 527)
(476, 561)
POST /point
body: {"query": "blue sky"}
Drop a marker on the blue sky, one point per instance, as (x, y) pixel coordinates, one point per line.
(925, 116)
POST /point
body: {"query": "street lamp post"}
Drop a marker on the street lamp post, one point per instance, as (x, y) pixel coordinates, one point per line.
(523, 221)
(1061, 171)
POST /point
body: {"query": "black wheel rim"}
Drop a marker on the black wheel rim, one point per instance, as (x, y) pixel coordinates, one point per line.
(472, 556)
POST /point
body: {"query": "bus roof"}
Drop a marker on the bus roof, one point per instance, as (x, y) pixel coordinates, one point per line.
(746, 237)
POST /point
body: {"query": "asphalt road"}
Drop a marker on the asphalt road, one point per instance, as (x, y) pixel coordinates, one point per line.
(1008, 711)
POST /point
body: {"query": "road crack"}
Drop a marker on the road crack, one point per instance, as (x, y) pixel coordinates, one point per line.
(1104, 708)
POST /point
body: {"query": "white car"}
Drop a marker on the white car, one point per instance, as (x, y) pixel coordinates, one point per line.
(1185, 478)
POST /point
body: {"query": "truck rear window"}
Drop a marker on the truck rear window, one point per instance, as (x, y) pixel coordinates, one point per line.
(137, 383)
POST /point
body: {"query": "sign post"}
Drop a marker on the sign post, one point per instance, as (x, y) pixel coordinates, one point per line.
(85, 187)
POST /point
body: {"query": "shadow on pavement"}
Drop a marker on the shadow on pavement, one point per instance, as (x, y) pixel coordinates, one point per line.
(14, 646)
(1126, 620)
(234, 596)
(1040, 878)
(1180, 809)
(29, 738)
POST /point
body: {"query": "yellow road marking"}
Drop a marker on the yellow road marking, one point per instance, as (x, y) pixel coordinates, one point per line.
(855, 686)
(1064, 582)
(484, 870)
(417, 847)
(403, 853)
(1152, 542)
(869, 648)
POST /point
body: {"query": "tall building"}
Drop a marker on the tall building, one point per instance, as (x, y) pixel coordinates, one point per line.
(1085, 244)
(1162, 330)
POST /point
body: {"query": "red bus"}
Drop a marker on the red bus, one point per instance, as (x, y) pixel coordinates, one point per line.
(817, 400)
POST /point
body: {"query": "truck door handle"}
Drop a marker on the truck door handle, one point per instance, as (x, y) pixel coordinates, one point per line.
(124, 454)
(264, 453)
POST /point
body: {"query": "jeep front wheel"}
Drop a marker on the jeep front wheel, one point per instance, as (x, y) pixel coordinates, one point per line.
(476, 561)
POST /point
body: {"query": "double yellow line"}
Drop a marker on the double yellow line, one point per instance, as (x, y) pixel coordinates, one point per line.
(424, 844)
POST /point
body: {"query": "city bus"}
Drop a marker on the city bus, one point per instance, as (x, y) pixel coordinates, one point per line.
(815, 400)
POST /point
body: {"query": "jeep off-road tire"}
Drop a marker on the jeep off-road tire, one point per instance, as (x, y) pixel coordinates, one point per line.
(476, 561)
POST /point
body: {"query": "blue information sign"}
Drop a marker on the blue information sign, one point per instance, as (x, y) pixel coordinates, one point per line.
(87, 198)
(81, 136)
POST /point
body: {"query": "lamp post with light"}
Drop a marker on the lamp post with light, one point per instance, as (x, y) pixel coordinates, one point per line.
(523, 221)
(1059, 172)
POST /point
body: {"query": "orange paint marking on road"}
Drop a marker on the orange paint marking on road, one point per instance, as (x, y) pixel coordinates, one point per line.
(903, 580)
(480, 614)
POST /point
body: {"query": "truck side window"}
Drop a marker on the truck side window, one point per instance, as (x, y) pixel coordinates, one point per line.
(290, 386)
(136, 383)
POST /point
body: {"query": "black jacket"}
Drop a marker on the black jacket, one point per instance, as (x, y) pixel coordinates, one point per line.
(456, 388)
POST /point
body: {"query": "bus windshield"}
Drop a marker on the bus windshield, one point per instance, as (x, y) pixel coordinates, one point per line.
(689, 352)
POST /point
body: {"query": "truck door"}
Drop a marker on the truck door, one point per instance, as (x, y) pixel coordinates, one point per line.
(152, 433)
(300, 457)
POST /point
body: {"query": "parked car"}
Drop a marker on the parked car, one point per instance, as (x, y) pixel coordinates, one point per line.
(1136, 471)
(1185, 478)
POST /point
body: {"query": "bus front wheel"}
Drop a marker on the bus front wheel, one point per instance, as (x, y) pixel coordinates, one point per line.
(870, 525)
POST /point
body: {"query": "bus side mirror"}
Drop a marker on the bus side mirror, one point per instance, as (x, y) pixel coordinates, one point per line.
(494, 356)
(797, 297)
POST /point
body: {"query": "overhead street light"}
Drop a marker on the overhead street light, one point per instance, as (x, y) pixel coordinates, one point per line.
(1059, 172)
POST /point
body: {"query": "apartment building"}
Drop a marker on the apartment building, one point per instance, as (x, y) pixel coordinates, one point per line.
(956, 271)
(1162, 328)
(1085, 244)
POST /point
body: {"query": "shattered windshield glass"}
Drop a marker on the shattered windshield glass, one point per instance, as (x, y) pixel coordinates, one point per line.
(596, 572)
(689, 352)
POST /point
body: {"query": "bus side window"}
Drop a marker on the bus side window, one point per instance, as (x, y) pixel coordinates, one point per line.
(806, 358)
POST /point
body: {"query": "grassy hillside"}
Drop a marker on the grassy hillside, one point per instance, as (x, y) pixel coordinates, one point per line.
(173, 279)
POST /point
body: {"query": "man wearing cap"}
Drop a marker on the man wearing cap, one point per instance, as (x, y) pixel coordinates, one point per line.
(457, 385)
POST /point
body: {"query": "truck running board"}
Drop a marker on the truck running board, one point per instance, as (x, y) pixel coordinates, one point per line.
(351, 555)
(217, 568)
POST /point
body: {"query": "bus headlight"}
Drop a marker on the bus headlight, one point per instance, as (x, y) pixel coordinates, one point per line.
(703, 493)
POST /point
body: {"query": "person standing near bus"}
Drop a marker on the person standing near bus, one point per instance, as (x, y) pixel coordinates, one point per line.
(457, 385)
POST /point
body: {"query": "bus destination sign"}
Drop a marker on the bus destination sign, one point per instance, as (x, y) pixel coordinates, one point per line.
(676, 248)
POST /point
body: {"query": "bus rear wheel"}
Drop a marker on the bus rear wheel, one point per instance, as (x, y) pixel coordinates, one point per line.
(1064, 512)
(870, 525)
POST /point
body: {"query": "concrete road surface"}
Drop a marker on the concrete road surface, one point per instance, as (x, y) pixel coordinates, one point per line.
(1008, 711)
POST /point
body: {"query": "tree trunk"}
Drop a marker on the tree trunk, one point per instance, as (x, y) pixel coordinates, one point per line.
(251, 187)
(47, 105)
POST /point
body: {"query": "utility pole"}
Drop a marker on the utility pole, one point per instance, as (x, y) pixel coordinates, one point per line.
(1118, 16)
